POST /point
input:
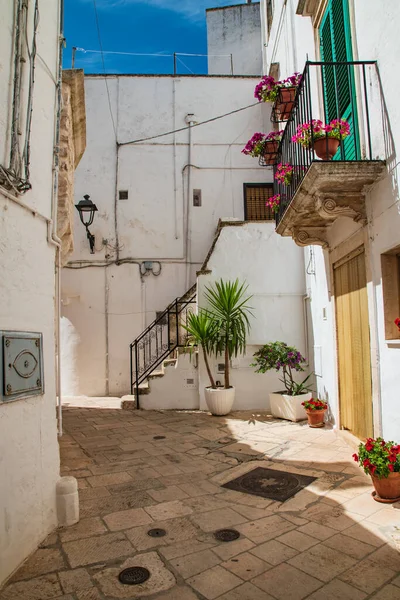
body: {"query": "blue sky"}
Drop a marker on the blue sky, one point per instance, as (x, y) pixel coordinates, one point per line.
(139, 26)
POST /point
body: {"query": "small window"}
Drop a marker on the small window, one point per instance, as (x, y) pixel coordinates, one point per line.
(123, 194)
(255, 197)
(390, 262)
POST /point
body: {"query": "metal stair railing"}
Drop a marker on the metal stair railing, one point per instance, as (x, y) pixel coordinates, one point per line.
(159, 340)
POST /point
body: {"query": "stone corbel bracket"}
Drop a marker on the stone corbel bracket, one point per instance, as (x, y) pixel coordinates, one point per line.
(351, 206)
(310, 236)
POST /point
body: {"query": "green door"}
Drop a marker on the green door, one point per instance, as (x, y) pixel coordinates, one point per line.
(338, 80)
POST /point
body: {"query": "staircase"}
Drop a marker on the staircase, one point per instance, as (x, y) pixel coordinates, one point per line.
(159, 343)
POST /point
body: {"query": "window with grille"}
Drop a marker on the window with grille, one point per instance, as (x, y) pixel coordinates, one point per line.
(255, 197)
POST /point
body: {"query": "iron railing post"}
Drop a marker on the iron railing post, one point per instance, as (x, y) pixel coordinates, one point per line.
(137, 374)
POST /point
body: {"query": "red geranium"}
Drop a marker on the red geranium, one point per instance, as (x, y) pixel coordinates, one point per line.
(315, 404)
(378, 457)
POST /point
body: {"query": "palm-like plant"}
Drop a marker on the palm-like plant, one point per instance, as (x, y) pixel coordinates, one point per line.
(202, 332)
(229, 312)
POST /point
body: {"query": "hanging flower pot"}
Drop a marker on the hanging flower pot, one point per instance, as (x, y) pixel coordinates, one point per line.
(315, 410)
(381, 460)
(285, 102)
(326, 147)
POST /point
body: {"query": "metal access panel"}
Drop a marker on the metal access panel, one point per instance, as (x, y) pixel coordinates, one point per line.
(21, 365)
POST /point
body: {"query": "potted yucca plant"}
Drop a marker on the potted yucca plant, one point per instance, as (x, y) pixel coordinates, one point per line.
(278, 356)
(221, 329)
(381, 460)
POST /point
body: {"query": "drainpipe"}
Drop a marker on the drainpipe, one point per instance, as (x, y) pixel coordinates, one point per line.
(190, 120)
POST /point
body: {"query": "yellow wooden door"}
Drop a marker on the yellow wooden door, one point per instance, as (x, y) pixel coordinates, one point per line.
(355, 390)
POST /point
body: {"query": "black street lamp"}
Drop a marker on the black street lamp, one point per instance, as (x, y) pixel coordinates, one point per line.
(86, 210)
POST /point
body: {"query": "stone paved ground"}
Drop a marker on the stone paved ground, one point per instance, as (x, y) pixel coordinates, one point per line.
(332, 541)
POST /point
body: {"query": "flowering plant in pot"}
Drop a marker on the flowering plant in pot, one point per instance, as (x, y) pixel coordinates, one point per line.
(315, 409)
(325, 139)
(268, 89)
(381, 460)
(278, 356)
(221, 329)
(284, 173)
(261, 143)
(273, 203)
(397, 322)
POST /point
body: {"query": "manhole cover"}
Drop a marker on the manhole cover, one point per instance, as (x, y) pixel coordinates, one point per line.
(156, 533)
(134, 575)
(268, 483)
(159, 437)
(226, 535)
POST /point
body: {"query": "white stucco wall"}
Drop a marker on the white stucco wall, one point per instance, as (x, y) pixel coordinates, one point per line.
(374, 37)
(29, 456)
(109, 307)
(234, 30)
(273, 268)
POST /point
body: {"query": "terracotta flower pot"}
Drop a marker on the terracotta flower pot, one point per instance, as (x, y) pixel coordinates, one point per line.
(316, 418)
(326, 148)
(270, 152)
(285, 102)
(387, 488)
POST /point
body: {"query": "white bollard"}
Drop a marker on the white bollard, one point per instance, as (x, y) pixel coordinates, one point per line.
(67, 501)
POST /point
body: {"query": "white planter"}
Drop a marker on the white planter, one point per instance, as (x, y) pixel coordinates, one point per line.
(220, 400)
(288, 407)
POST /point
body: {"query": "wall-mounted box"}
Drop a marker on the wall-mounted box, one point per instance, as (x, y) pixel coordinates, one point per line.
(21, 365)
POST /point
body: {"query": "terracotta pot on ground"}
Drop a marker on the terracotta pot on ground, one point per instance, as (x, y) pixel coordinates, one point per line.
(316, 418)
(387, 488)
(326, 148)
(285, 102)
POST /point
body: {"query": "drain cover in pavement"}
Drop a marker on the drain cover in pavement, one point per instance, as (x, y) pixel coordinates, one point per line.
(268, 483)
(226, 535)
(134, 575)
(156, 533)
(159, 437)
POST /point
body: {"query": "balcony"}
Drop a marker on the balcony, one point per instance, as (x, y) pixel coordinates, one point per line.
(322, 190)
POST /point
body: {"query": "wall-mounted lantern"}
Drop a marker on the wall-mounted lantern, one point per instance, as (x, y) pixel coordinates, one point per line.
(86, 210)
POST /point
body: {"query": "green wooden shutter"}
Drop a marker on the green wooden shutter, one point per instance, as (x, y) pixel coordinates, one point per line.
(338, 81)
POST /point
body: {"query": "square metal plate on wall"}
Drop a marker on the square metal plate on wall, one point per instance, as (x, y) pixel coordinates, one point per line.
(21, 365)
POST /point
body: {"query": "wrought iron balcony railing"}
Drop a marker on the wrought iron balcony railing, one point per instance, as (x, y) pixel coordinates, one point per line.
(329, 91)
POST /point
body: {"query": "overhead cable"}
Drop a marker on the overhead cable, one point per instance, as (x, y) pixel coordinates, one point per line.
(232, 112)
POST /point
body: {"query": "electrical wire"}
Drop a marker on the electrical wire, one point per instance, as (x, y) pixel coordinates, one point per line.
(104, 66)
(153, 137)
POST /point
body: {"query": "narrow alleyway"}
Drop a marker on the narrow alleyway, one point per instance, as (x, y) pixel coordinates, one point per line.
(140, 471)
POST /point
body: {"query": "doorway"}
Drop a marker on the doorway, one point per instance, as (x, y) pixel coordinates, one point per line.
(353, 341)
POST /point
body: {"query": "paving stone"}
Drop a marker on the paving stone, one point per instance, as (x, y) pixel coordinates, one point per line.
(168, 510)
(350, 546)
(84, 528)
(110, 479)
(51, 540)
(190, 565)
(168, 494)
(273, 552)
(105, 506)
(296, 539)
(265, 529)
(40, 588)
(160, 579)
(178, 530)
(206, 503)
(136, 485)
(97, 549)
(368, 576)
(126, 519)
(178, 593)
(366, 532)
(246, 566)
(214, 582)
(396, 581)
(285, 582)
(322, 562)
(185, 548)
(337, 590)
(92, 594)
(75, 580)
(226, 551)
(320, 532)
(247, 591)
(218, 519)
(89, 493)
(389, 592)
(43, 561)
